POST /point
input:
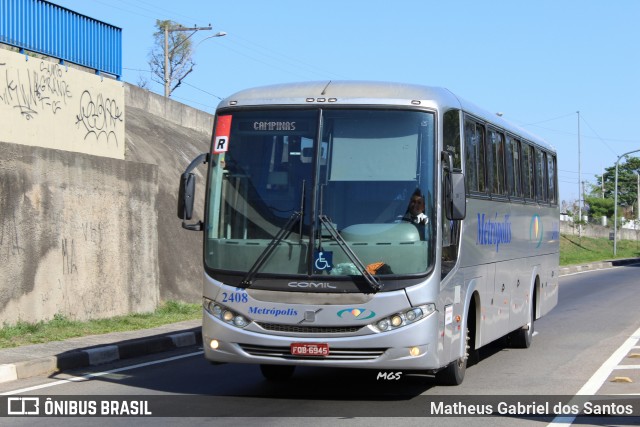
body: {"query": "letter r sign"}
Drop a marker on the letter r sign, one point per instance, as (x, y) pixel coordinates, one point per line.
(220, 145)
(221, 139)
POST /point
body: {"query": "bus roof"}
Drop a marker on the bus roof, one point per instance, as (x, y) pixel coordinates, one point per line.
(370, 93)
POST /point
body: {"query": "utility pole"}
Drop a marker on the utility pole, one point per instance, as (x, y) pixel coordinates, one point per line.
(583, 192)
(167, 30)
(579, 179)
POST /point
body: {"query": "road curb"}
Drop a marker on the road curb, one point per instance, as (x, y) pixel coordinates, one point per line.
(98, 355)
(578, 268)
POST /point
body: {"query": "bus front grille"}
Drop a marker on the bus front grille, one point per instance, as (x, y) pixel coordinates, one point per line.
(309, 329)
(334, 353)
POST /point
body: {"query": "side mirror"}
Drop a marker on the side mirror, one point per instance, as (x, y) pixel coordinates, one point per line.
(458, 196)
(454, 191)
(186, 196)
(187, 191)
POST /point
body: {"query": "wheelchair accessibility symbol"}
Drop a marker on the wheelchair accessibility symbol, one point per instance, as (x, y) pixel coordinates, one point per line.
(323, 261)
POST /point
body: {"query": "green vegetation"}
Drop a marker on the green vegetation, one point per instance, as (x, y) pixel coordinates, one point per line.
(575, 250)
(61, 328)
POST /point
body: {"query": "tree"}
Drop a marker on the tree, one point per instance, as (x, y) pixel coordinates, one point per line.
(599, 207)
(180, 52)
(627, 181)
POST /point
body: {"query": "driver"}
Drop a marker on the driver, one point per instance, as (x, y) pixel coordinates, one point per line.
(415, 210)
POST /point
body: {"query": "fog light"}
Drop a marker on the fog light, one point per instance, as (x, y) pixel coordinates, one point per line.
(414, 351)
(214, 344)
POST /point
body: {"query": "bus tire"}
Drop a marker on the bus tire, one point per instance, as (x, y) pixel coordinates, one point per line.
(277, 373)
(522, 338)
(453, 373)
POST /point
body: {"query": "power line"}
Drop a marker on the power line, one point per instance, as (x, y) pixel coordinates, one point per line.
(202, 90)
(260, 49)
(549, 120)
(601, 140)
(155, 8)
(262, 62)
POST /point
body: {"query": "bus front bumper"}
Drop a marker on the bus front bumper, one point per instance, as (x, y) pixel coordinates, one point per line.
(411, 347)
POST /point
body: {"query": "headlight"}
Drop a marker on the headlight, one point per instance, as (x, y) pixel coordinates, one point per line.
(221, 312)
(383, 325)
(404, 318)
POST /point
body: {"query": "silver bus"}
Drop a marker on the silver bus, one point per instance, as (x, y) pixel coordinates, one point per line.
(371, 225)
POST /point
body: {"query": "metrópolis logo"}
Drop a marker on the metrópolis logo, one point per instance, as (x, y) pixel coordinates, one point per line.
(536, 231)
(356, 313)
(494, 232)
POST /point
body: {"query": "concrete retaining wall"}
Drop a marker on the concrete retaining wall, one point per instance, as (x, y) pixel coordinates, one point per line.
(167, 109)
(78, 235)
(598, 231)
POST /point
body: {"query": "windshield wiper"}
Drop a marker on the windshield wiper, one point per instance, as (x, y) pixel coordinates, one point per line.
(280, 235)
(371, 280)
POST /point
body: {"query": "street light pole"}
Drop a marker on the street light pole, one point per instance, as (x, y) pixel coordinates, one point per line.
(167, 30)
(615, 206)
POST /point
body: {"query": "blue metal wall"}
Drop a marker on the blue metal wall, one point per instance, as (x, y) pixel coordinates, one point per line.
(43, 27)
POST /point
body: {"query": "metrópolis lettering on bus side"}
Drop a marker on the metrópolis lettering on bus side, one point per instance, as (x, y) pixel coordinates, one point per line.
(493, 232)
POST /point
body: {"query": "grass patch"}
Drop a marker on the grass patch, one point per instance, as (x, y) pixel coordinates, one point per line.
(575, 250)
(61, 328)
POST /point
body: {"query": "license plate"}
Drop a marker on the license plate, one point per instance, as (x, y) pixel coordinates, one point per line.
(309, 349)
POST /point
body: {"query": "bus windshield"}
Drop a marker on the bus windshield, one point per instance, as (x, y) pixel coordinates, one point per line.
(285, 182)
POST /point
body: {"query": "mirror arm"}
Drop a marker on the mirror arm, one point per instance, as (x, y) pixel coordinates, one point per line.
(196, 226)
(202, 158)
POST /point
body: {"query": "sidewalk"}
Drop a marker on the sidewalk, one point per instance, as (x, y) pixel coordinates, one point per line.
(42, 359)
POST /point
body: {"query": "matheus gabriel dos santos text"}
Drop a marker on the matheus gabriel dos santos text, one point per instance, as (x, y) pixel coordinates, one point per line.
(532, 408)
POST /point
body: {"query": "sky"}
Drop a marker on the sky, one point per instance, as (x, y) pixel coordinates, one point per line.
(536, 62)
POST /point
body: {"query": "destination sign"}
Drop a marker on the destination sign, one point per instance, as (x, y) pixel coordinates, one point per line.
(272, 125)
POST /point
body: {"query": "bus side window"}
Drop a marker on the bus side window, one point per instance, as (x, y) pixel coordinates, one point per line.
(451, 229)
(474, 150)
(541, 175)
(528, 184)
(451, 136)
(551, 168)
(495, 162)
(512, 152)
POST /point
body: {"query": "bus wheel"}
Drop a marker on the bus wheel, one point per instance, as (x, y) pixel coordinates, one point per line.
(277, 372)
(522, 337)
(453, 374)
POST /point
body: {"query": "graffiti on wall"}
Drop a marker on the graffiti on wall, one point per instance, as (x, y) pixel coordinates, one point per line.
(44, 90)
(59, 107)
(100, 117)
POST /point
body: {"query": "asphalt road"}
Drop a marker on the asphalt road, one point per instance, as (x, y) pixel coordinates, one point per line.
(597, 313)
